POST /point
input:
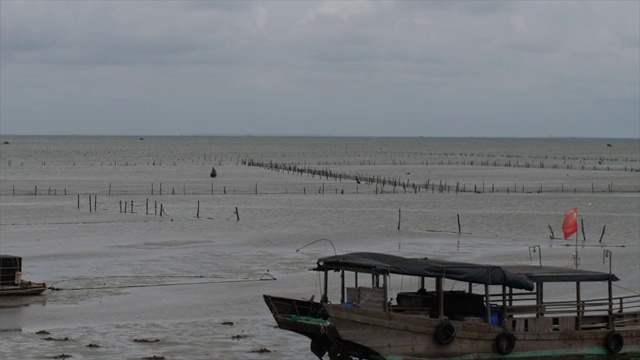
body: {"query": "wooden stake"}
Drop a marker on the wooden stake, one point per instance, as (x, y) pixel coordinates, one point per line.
(459, 227)
(399, 218)
(602, 235)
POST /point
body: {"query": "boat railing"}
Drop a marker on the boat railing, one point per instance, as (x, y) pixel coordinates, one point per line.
(584, 315)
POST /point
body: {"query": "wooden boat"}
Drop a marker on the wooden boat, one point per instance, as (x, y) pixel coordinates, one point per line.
(11, 282)
(509, 317)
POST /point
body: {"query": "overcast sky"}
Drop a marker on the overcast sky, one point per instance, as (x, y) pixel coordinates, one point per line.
(352, 68)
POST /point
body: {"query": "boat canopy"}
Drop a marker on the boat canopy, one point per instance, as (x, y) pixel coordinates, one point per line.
(376, 263)
(559, 274)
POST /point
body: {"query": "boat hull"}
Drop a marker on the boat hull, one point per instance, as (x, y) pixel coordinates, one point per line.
(23, 289)
(390, 335)
(309, 318)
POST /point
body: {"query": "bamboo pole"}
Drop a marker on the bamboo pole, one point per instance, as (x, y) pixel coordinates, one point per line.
(602, 235)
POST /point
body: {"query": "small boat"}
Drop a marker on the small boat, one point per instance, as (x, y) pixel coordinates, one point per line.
(11, 282)
(213, 173)
(483, 312)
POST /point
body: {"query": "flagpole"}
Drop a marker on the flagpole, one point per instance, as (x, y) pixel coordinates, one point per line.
(576, 259)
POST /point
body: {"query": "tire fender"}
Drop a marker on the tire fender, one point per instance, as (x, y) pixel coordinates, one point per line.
(445, 333)
(614, 342)
(505, 343)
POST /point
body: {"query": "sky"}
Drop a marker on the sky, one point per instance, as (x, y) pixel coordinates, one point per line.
(343, 68)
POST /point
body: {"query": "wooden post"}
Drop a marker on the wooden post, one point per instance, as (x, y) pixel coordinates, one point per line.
(147, 207)
(35, 192)
(132, 206)
(399, 217)
(109, 189)
(440, 292)
(89, 203)
(459, 227)
(95, 202)
(584, 237)
(237, 214)
(601, 235)
(198, 213)
(78, 201)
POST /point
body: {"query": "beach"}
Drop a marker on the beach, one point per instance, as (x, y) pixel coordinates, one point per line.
(147, 255)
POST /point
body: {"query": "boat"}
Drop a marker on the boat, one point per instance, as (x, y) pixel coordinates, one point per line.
(11, 282)
(471, 311)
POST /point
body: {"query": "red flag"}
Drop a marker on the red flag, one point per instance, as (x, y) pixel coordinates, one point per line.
(570, 223)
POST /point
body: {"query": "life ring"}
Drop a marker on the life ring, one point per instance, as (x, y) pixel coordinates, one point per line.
(614, 342)
(445, 332)
(505, 343)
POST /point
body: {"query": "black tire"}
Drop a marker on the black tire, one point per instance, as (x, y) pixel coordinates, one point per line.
(505, 343)
(445, 333)
(614, 342)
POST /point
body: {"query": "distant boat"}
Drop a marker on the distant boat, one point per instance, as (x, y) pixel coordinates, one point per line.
(213, 172)
(515, 318)
(11, 282)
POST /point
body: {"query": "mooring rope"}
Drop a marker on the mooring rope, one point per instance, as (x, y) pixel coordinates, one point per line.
(51, 287)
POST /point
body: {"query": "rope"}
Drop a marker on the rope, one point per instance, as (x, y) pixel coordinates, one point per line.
(157, 285)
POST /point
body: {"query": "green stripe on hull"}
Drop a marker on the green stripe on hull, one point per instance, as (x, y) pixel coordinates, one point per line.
(629, 352)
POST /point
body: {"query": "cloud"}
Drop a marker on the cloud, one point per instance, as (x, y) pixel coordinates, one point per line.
(404, 67)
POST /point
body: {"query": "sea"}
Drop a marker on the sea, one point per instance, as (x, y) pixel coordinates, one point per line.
(147, 256)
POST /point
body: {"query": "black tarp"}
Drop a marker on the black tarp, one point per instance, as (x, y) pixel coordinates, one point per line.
(377, 263)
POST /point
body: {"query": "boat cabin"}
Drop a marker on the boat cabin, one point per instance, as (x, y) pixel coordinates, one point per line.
(516, 306)
(10, 270)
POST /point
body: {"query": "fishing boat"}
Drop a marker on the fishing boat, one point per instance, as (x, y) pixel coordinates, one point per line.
(470, 311)
(11, 282)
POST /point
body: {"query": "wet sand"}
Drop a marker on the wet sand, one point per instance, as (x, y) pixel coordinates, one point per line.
(193, 284)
